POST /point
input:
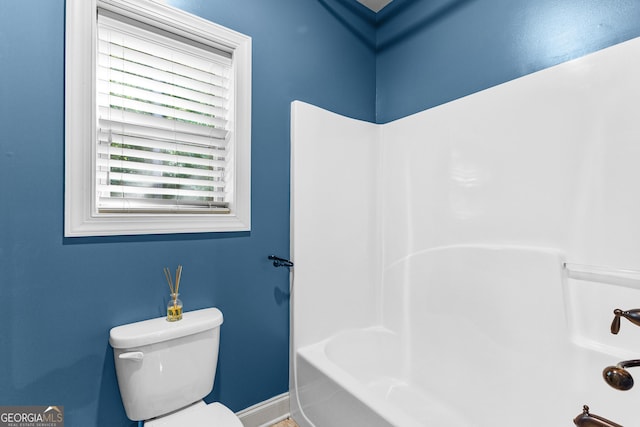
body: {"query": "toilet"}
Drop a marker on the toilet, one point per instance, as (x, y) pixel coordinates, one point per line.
(165, 369)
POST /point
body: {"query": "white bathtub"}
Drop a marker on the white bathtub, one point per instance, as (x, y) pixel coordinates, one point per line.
(355, 378)
(490, 344)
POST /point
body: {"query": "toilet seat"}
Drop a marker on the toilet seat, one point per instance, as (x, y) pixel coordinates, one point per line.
(198, 415)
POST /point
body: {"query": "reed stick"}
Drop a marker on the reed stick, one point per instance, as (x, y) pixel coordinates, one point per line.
(178, 276)
(167, 274)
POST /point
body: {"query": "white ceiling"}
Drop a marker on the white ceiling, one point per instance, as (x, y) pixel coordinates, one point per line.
(375, 5)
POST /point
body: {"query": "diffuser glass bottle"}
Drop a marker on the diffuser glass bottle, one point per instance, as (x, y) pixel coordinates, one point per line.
(174, 308)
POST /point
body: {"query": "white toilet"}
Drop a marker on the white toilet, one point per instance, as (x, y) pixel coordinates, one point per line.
(165, 369)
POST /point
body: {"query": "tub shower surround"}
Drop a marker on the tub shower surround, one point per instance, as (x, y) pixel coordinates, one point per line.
(430, 284)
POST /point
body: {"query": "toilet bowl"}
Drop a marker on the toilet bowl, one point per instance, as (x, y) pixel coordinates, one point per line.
(165, 369)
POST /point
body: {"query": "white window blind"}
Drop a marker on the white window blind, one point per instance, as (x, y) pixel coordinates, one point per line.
(164, 137)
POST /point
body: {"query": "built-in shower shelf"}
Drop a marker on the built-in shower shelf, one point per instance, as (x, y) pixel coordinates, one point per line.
(601, 274)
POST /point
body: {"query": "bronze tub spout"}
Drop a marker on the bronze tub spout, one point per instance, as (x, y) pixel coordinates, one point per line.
(591, 420)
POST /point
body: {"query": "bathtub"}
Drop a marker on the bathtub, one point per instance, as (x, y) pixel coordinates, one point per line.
(355, 378)
(487, 337)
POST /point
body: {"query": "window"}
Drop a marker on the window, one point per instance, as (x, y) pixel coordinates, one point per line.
(157, 121)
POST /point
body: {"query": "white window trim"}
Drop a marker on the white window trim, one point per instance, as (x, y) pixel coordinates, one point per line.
(81, 217)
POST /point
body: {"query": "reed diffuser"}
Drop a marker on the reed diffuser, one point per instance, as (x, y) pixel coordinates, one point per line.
(174, 307)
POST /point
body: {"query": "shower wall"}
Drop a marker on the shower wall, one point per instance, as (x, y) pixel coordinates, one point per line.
(335, 222)
(549, 160)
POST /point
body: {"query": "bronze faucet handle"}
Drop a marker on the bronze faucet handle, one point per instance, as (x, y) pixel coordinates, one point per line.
(632, 316)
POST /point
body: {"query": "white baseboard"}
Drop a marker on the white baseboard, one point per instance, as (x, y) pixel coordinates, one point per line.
(267, 413)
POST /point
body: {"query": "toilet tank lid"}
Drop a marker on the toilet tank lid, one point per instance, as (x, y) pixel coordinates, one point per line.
(157, 330)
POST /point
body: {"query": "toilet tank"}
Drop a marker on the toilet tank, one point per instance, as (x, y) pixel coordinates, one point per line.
(163, 366)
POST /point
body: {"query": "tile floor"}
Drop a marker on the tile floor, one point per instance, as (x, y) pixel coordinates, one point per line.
(286, 423)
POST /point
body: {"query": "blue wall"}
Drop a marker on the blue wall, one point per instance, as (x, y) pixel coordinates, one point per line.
(61, 296)
(433, 51)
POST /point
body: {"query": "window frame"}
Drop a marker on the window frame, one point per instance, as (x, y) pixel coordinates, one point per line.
(81, 215)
